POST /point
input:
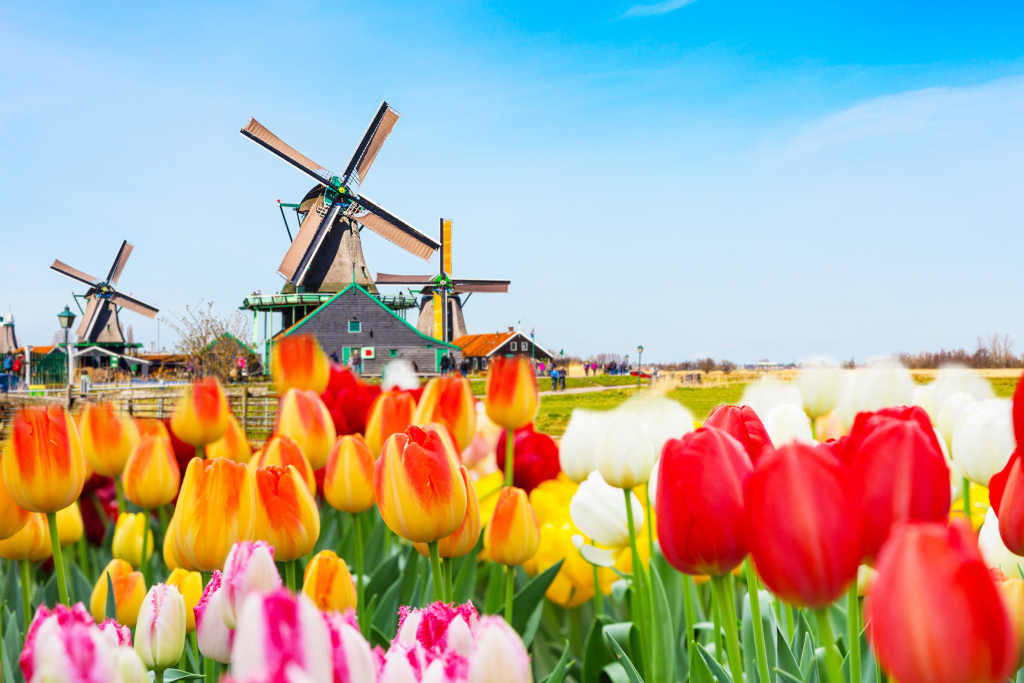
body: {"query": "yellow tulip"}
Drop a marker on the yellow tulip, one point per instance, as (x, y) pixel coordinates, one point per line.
(298, 362)
(151, 477)
(215, 510)
(511, 399)
(12, 516)
(107, 438)
(328, 582)
(461, 541)
(129, 591)
(201, 415)
(449, 401)
(127, 542)
(234, 445)
(304, 417)
(286, 516)
(348, 475)
(43, 464)
(69, 525)
(191, 586)
(513, 535)
(282, 451)
(31, 542)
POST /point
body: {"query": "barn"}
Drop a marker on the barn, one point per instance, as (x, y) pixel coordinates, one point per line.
(480, 348)
(354, 323)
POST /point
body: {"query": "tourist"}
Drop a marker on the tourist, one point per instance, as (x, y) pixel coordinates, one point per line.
(464, 367)
(554, 377)
(561, 378)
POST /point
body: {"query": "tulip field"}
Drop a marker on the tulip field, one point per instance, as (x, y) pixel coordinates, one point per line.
(845, 526)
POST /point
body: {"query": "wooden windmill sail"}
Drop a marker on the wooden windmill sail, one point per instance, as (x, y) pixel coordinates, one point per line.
(441, 306)
(100, 322)
(327, 254)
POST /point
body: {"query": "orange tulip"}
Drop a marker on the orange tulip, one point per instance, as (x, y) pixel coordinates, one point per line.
(234, 445)
(151, 477)
(513, 535)
(13, 517)
(328, 582)
(391, 413)
(43, 465)
(190, 584)
(420, 492)
(511, 399)
(201, 414)
(304, 417)
(170, 549)
(449, 400)
(298, 362)
(107, 438)
(462, 540)
(348, 475)
(31, 542)
(150, 426)
(129, 591)
(286, 514)
(282, 451)
(215, 510)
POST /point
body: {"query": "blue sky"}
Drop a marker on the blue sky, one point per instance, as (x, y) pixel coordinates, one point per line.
(739, 179)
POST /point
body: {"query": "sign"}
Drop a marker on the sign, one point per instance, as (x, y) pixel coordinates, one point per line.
(369, 352)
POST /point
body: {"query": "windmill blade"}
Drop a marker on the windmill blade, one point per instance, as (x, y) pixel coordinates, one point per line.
(65, 269)
(300, 245)
(119, 262)
(91, 309)
(259, 134)
(394, 229)
(392, 279)
(497, 286)
(378, 131)
(133, 304)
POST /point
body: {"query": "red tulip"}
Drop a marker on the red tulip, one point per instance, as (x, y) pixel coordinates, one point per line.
(535, 459)
(934, 612)
(897, 465)
(348, 400)
(1006, 493)
(743, 424)
(802, 529)
(1018, 411)
(701, 525)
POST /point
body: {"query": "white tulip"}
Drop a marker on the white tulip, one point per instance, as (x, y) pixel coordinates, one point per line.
(633, 435)
(578, 448)
(983, 439)
(846, 406)
(951, 410)
(925, 398)
(884, 383)
(499, 655)
(994, 551)
(952, 379)
(768, 392)
(820, 380)
(399, 374)
(160, 632)
(598, 510)
(786, 423)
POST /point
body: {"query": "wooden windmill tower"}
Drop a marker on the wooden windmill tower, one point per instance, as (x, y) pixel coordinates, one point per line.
(8, 340)
(441, 305)
(100, 323)
(327, 254)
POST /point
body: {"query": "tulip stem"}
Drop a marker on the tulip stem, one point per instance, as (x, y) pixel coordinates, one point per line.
(753, 591)
(510, 590)
(827, 641)
(209, 670)
(643, 598)
(965, 491)
(510, 455)
(289, 574)
(598, 596)
(58, 560)
(119, 490)
(649, 520)
(787, 614)
(727, 613)
(853, 632)
(435, 572)
(158, 676)
(144, 559)
(690, 613)
(359, 567)
(26, 590)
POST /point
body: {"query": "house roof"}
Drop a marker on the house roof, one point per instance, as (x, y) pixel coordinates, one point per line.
(229, 337)
(478, 345)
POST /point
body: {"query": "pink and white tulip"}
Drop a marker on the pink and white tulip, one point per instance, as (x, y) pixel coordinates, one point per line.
(350, 653)
(160, 631)
(499, 655)
(213, 635)
(74, 652)
(438, 628)
(248, 569)
(63, 617)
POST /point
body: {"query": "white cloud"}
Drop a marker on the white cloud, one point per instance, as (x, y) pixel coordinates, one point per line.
(656, 8)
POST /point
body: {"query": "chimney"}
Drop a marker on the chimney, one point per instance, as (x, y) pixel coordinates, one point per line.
(511, 329)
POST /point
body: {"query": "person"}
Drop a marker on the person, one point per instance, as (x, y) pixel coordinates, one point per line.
(554, 377)
(8, 362)
(464, 367)
(353, 361)
(561, 378)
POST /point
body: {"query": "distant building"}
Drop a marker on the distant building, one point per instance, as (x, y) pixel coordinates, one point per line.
(480, 348)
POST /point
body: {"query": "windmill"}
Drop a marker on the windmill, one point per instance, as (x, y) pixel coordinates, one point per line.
(8, 340)
(441, 306)
(100, 323)
(327, 254)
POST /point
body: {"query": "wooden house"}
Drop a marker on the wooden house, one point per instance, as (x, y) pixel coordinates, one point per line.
(480, 348)
(356, 328)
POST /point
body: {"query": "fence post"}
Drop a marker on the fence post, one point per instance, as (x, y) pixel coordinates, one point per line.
(160, 402)
(245, 410)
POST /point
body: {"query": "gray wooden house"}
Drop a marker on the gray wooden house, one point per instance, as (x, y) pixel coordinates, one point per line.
(356, 324)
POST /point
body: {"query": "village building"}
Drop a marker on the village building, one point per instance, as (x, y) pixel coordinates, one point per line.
(480, 348)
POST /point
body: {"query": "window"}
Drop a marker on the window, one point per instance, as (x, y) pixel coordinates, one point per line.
(354, 325)
(514, 347)
(392, 353)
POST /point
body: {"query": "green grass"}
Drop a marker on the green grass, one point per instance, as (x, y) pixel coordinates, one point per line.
(1003, 386)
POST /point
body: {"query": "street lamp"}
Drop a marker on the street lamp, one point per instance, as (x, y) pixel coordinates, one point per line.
(65, 318)
(640, 356)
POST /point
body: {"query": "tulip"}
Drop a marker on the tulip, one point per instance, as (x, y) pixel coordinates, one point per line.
(234, 445)
(597, 510)
(769, 392)
(201, 414)
(788, 422)
(278, 634)
(43, 465)
(282, 451)
(348, 475)
(249, 569)
(802, 537)
(190, 585)
(215, 510)
(743, 424)
(79, 653)
(1005, 494)
(499, 654)
(701, 526)
(994, 550)
(582, 438)
(951, 412)
(160, 634)
(1012, 590)
(31, 542)
(12, 516)
(449, 401)
(511, 399)
(350, 653)
(127, 543)
(419, 491)
(934, 613)
(463, 540)
(129, 590)
(438, 627)
(298, 362)
(328, 582)
(107, 438)
(286, 514)
(348, 400)
(955, 379)
(212, 633)
(391, 413)
(70, 527)
(983, 439)
(170, 547)
(535, 459)
(627, 453)
(304, 417)
(820, 381)
(895, 460)
(64, 617)
(513, 535)
(151, 477)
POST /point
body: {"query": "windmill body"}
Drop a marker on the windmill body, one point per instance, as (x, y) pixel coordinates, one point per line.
(8, 340)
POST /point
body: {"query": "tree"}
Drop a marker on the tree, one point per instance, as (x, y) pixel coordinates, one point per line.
(212, 343)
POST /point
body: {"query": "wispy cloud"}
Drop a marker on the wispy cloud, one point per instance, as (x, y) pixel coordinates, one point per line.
(654, 9)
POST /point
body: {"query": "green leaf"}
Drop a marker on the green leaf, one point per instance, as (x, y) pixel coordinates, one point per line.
(383, 576)
(111, 607)
(532, 594)
(179, 675)
(595, 653)
(410, 575)
(11, 647)
(786, 661)
(770, 631)
(81, 591)
(465, 579)
(558, 674)
(664, 632)
(786, 674)
(530, 628)
(49, 595)
(378, 637)
(494, 598)
(720, 674)
(622, 657)
(385, 617)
